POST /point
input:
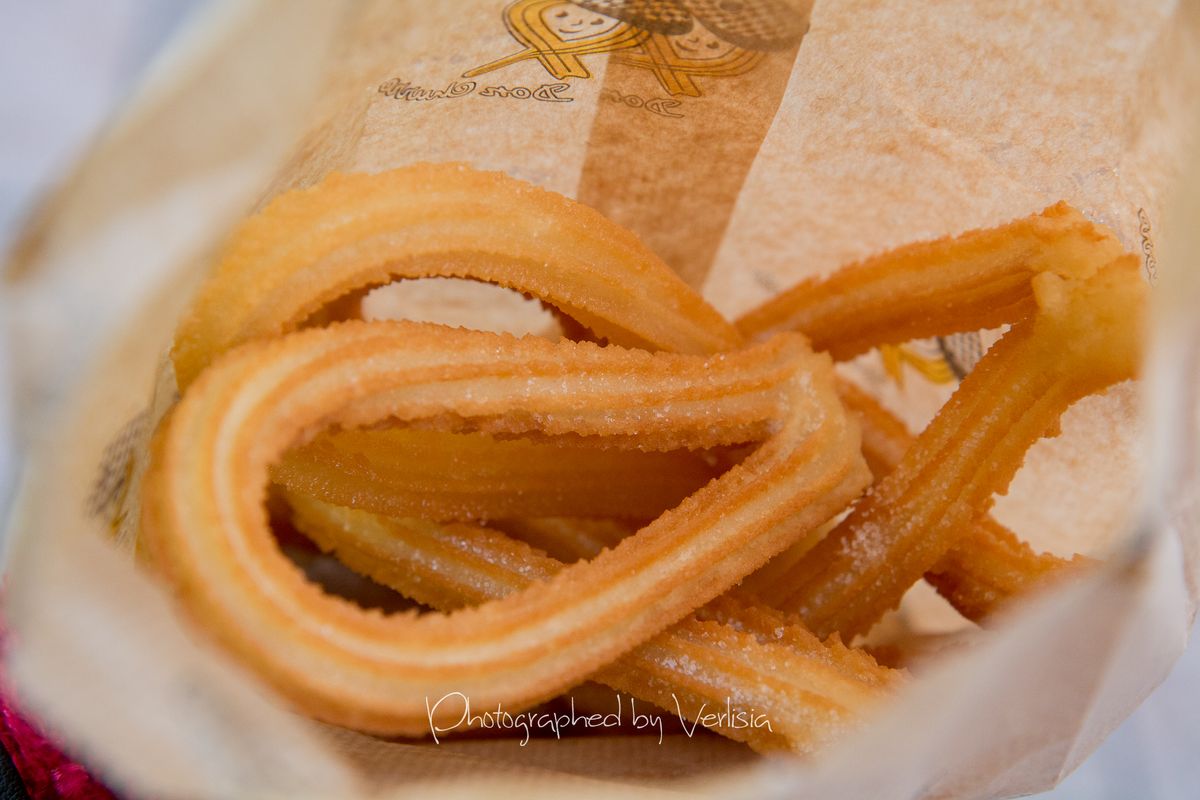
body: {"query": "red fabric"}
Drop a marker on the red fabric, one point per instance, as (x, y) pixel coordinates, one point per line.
(47, 773)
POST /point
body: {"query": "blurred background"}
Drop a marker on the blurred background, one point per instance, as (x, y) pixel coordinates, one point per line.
(67, 64)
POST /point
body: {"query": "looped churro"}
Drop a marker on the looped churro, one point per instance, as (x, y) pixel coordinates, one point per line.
(308, 248)
(807, 689)
(980, 279)
(386, 436)
(204, 522)
(1085, 336)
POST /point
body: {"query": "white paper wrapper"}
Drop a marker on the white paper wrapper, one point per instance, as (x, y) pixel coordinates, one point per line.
(747, 170)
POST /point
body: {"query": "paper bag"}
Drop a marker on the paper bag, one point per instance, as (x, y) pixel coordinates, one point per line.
(750, 145)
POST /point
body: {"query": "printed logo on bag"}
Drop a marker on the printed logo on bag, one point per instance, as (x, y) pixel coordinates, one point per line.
(945, 359)
(681, 42)
(108, 499)
(687, 88)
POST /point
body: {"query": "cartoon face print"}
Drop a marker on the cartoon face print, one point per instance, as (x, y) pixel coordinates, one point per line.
(700, 44)
(570, 23)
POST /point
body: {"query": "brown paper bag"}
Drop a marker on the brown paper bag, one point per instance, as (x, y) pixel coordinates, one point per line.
(749, 148)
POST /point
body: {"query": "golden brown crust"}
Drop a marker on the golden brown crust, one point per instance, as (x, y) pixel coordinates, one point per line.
(1085, 337)
(980, 279)
(468, 476)
(568, 539)
(308, 248)
(203, 517)
(990, 566)
(641, 610)
(809, 691)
